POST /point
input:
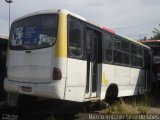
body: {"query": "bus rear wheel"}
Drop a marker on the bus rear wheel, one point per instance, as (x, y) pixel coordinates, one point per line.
(111, 94)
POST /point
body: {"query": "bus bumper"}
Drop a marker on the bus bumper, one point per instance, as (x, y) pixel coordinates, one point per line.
(47, 90)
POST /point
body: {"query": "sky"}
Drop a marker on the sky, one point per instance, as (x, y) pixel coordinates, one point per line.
(130, 18)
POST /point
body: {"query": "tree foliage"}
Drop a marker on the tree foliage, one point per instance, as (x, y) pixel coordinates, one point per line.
(156, 33)
(156, 36)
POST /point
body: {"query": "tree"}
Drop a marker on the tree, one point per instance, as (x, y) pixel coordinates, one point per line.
(156, 33)
(145, 38)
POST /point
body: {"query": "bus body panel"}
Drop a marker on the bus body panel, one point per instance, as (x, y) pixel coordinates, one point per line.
(61, 43)
(113, 74)
(137, 76)
(53, 89)
(76, 80)
(127, 90)
(116, 74)
(120, 75)
(35, 69)
(139, 79)
(31, 67)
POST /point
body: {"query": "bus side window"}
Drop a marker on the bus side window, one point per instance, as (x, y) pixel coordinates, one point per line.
(136, 56)
(126, 52)
(75, 38)
(117, 52)
(117, 44)
(107, 47)
(125, 46)
(118, 57)
(121, 51)
(133, 55)
(139, 56)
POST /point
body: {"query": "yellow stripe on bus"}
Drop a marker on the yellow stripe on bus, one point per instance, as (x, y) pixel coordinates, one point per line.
(104, 79)
(61, 43)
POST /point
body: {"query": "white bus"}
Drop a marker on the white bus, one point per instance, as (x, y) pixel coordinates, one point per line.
(58, 54)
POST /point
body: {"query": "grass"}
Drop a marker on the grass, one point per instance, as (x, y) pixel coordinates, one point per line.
(133, 105)
(144, 103)
(121, 107)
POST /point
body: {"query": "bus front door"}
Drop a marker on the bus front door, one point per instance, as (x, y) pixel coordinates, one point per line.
(93, 51)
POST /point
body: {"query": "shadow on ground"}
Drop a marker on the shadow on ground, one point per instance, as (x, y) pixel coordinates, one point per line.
(52, 110)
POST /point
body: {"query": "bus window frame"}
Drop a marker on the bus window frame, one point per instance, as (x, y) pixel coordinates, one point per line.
(9, 44)
(142, 57)
(82, 57)
(122, 52)
(98, 30)
(103, 49)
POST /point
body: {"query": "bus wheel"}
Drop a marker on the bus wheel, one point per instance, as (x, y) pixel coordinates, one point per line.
(111, 94)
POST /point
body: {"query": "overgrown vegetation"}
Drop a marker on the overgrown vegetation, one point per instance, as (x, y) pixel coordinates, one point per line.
(132, 105)
(156, 34)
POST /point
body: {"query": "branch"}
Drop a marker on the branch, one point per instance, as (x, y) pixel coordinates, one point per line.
(9, 1)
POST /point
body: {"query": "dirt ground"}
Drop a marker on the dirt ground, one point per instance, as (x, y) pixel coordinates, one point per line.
(155, 108)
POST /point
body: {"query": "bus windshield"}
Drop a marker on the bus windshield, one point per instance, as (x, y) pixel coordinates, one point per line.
(34, 32)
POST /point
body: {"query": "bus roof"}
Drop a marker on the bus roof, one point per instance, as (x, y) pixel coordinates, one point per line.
(2, 36)
(137, 42)
(107, 29)
(148, 41)
(66, 12)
